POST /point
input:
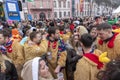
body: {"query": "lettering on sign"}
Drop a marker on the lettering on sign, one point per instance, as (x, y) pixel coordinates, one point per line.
(12, 14)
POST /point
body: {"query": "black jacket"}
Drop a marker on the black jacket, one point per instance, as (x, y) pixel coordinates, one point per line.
(10, 73)
(72, 59)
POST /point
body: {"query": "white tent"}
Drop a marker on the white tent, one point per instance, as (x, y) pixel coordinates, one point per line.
(117, 10)
(1, 0)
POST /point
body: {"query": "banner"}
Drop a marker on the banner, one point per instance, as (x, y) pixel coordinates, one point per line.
(81, 5)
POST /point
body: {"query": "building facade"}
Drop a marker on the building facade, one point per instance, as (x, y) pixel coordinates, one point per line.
(62, 8)
(40, 9)
(91, 8)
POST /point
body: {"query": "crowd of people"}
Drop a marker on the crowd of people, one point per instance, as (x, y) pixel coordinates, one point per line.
(62, 49)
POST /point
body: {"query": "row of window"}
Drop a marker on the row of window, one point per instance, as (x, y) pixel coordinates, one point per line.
(60, 4)
(41, 3)
(88, 6)
(64, 4)
(47, 2)
(87, 13)
(65, 14)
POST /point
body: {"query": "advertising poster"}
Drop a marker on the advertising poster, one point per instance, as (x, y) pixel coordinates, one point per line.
(81, 5)
(12, 10)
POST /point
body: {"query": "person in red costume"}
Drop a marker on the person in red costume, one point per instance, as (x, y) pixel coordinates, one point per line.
(72, 26)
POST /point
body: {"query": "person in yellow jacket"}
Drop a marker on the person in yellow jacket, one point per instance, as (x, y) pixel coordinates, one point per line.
(108, 41)
(17, 49)
(65, 35)
(89, 65)
(35, 46)
(12, 48)
(56, 55)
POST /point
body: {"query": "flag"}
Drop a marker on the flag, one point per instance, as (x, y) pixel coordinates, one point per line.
(77, 6)
(91, 4)
(81, 5)
(30, 0)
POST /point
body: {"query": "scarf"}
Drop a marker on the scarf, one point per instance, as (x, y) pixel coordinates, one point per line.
(61, 46)
(95, 59)
(7, 47)
(61, 32)
(111, 41)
